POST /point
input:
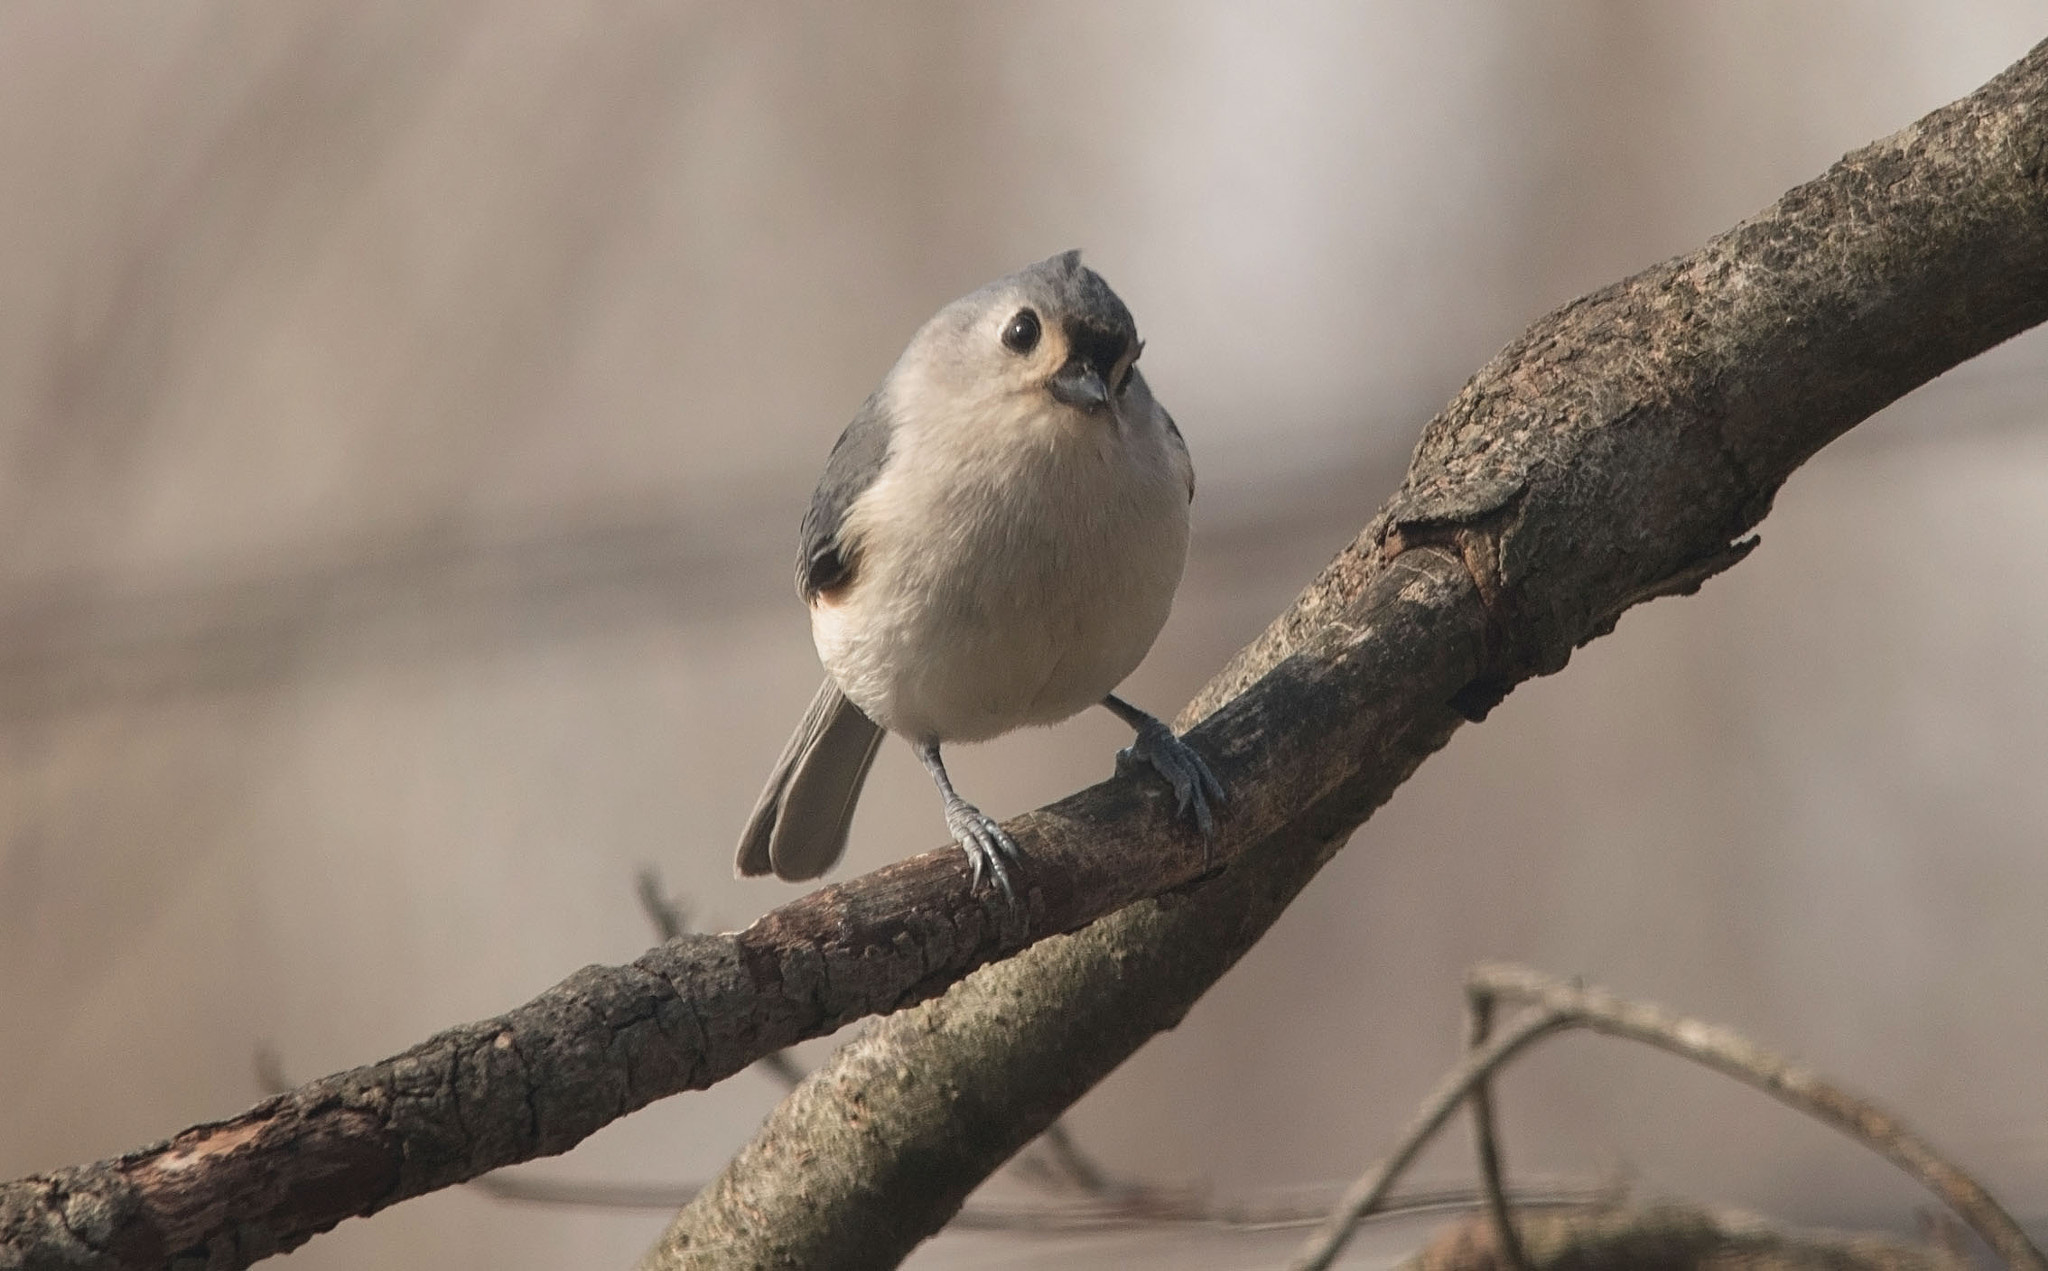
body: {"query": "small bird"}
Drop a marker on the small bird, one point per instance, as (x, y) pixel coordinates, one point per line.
(995, 543)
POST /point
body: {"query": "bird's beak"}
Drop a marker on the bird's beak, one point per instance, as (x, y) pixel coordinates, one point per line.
(1079, 385)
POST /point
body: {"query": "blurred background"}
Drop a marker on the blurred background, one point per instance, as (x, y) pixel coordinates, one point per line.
(405, 415)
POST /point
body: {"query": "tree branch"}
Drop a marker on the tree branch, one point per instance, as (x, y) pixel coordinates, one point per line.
(1478, 1027)
(1139, 1207)
(1675, 1237)
(1366, 1195)
(1614, 452)
(1556, 1006)
(1611, 454)
(1792, 1084)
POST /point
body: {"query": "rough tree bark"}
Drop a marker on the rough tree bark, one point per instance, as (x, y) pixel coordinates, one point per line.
(1614, 453)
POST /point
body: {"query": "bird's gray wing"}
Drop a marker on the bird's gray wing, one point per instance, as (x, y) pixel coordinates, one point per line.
(1180, 443)
(798, 828)
(1173, 436)
(825, 561)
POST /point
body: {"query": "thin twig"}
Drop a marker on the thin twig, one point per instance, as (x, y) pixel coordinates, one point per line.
(1479, 1023)
(781, 1066)
(1371, 1188)
(508, 1185)
(1073, 1163)
(1790, 1083)
(661, 909)
(1055, 1162)
(1136, 1209)
(268, 1066)
(1557, 1005)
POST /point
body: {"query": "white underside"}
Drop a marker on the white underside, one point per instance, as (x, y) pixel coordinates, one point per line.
(1011, 571)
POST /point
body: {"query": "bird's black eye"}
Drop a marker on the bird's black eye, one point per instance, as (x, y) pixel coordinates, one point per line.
(1021, 336)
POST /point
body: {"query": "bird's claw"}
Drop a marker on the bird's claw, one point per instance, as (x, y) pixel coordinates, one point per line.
(989, 850)
(1194, 786)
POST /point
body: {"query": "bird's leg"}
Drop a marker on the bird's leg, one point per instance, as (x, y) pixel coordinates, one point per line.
(1194, 786)
(986, 845)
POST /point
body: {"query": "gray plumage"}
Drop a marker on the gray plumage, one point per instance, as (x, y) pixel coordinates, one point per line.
(995, 543)
(822, 563)
(812, 791)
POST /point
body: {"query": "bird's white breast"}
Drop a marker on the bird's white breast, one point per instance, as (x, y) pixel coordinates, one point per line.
(1014, 564)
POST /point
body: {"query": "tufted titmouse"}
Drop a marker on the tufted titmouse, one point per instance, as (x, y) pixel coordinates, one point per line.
(995, 543)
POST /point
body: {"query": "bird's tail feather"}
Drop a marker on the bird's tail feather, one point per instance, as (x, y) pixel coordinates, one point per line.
(798, 828)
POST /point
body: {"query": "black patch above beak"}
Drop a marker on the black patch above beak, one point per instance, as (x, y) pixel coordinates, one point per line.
(1079, 385)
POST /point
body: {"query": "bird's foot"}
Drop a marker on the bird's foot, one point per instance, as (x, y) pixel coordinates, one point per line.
(1194, 786)
(989, 850)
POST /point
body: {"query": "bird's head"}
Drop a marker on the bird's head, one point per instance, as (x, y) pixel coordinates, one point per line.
(1051, 336)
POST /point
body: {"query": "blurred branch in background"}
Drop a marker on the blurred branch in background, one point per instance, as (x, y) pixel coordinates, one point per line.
(1667, 1236)
(1618, 451)
(448, 591)
(451, 590)
(1142, 1207)
(1555, 1006)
